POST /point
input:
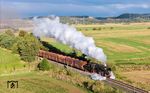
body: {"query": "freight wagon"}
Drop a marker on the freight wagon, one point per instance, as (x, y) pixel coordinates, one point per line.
(76, 63)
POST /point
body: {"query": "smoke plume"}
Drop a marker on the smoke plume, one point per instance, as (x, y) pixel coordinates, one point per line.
(51, 27)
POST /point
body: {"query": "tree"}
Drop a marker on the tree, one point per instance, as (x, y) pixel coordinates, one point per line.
(7, 41)
(99, 28)
(9, 32)
(74, 54)
(94, 28)
(28, 47)
(111, 27)
(44, 65)
(22, 33)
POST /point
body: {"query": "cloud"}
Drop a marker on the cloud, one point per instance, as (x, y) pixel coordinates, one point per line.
(76, 7)
(81, 2)
(127, 6)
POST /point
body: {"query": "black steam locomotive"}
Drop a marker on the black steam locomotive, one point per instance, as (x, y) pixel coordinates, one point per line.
(98, 68)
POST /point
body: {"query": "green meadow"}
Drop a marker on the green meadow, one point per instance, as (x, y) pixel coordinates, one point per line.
(9, 62)
(124, 44)
(29, 81)
(34, 82)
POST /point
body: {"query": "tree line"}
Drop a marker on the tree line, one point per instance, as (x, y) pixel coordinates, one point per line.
(25, 44)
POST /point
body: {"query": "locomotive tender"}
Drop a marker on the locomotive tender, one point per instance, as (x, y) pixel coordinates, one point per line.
(76, 63)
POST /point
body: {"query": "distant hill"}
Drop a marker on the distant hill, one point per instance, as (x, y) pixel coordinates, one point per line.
(132, 16)
(126, 17)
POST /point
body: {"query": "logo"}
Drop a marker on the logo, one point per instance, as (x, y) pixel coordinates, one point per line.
(12, 84)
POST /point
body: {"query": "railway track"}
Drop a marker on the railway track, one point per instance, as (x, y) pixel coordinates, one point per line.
(126, 87)
(114, 83)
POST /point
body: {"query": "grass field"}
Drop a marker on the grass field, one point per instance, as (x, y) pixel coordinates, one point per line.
(12, 68)
(9, 62)
(127, 47)
(37, 83)
(123, 43)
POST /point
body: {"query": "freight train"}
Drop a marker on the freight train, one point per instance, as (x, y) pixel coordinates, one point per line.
(76, 63)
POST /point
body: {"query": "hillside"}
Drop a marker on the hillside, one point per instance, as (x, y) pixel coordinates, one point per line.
(27, 23)
(12, 68)
(133, 16)
(37, 83)
(126, 17)
(9, 62)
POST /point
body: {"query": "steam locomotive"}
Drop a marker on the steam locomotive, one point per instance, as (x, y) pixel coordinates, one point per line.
(76, 63)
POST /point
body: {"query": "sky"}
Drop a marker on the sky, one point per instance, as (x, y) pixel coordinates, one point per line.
(101, 8)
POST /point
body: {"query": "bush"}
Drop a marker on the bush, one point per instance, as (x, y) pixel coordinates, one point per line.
(99, 28)
(7, 41)
(94, 29)
(112, 66)
(14, 48)
(99, 87)
(9, 32)
(28, 47)
(22, 33)
(44, 65)
(111, 27)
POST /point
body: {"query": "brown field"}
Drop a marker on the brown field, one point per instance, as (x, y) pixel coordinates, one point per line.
(116, 33)
(115, 24)
(139, 77)
(119, 47)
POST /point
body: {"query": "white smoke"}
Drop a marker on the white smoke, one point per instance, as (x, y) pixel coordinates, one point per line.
(51, 27)
(96, 76)
(112, 76)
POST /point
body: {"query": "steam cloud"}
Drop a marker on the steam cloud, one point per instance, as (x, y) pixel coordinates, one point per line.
(51, 27)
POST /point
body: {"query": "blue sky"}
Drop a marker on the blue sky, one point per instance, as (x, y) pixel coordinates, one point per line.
(26, 8)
